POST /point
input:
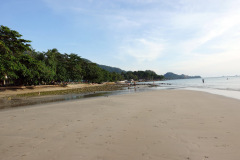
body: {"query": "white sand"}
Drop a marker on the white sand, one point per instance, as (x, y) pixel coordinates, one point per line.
(159, 125)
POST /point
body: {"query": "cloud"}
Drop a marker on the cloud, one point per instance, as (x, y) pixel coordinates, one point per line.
(212, 31)
(186, 35)
(142, 49)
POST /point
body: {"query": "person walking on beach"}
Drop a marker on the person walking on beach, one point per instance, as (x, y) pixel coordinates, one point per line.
(202, 80)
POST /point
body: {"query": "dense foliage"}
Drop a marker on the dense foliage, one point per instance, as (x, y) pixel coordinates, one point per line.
(142, 75)
(22, 65)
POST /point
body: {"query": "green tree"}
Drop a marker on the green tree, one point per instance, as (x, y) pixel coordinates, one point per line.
(11, 46)
(61, 68)
(74, 67)
(12, 40)
(8, 64)
(31, 71)
(23, 65)
(107, 77)
(51, 61)
(116, 77)
(92, 73)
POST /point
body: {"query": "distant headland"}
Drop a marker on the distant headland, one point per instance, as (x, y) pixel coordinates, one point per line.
(170, 75)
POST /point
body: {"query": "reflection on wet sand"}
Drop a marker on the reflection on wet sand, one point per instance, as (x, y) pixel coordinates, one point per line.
(11, 102)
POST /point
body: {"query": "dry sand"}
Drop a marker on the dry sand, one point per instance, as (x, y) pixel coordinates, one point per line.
(159, 125)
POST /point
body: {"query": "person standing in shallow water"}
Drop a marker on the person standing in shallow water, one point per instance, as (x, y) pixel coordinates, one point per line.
(202, 80)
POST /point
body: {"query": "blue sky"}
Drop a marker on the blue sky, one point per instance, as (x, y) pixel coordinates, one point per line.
(194, 37)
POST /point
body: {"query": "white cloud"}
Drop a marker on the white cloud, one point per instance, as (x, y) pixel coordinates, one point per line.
(187, 35)
(212, 31)
(142, 49)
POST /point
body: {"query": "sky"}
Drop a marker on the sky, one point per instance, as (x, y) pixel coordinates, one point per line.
(193, 37)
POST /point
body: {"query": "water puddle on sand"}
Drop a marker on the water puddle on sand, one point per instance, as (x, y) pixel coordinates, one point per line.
(6, 103)
(13, 102)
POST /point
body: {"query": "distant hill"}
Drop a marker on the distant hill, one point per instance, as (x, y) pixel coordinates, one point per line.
(107, 68)
(87, 60)
(111, 69)
(170, 75)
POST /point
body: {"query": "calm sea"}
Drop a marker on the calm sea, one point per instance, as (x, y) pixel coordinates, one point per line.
(226, 86)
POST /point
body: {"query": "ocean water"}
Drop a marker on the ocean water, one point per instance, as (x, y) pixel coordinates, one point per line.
(226, 86)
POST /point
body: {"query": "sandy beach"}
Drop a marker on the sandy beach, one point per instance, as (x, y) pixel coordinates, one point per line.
(158, 125)
(11, 91)
(23, 96)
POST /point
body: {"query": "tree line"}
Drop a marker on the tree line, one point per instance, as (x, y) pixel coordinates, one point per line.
(20, 64)
(147, 75)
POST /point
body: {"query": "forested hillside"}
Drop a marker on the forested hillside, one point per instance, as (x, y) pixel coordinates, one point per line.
(142, 75)
(111, 69)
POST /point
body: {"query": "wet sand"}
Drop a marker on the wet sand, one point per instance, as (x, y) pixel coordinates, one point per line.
(165, 125)
(22, 96)
(12, 91)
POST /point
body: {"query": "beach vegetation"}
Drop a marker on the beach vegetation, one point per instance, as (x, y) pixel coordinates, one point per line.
(20, 64)
(142, 75)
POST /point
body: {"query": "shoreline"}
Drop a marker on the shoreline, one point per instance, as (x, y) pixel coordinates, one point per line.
(226, 86)
(15, 90)
(33, 95)
(225, 93)
(55, 95)
(25, 97)
(159, 124)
